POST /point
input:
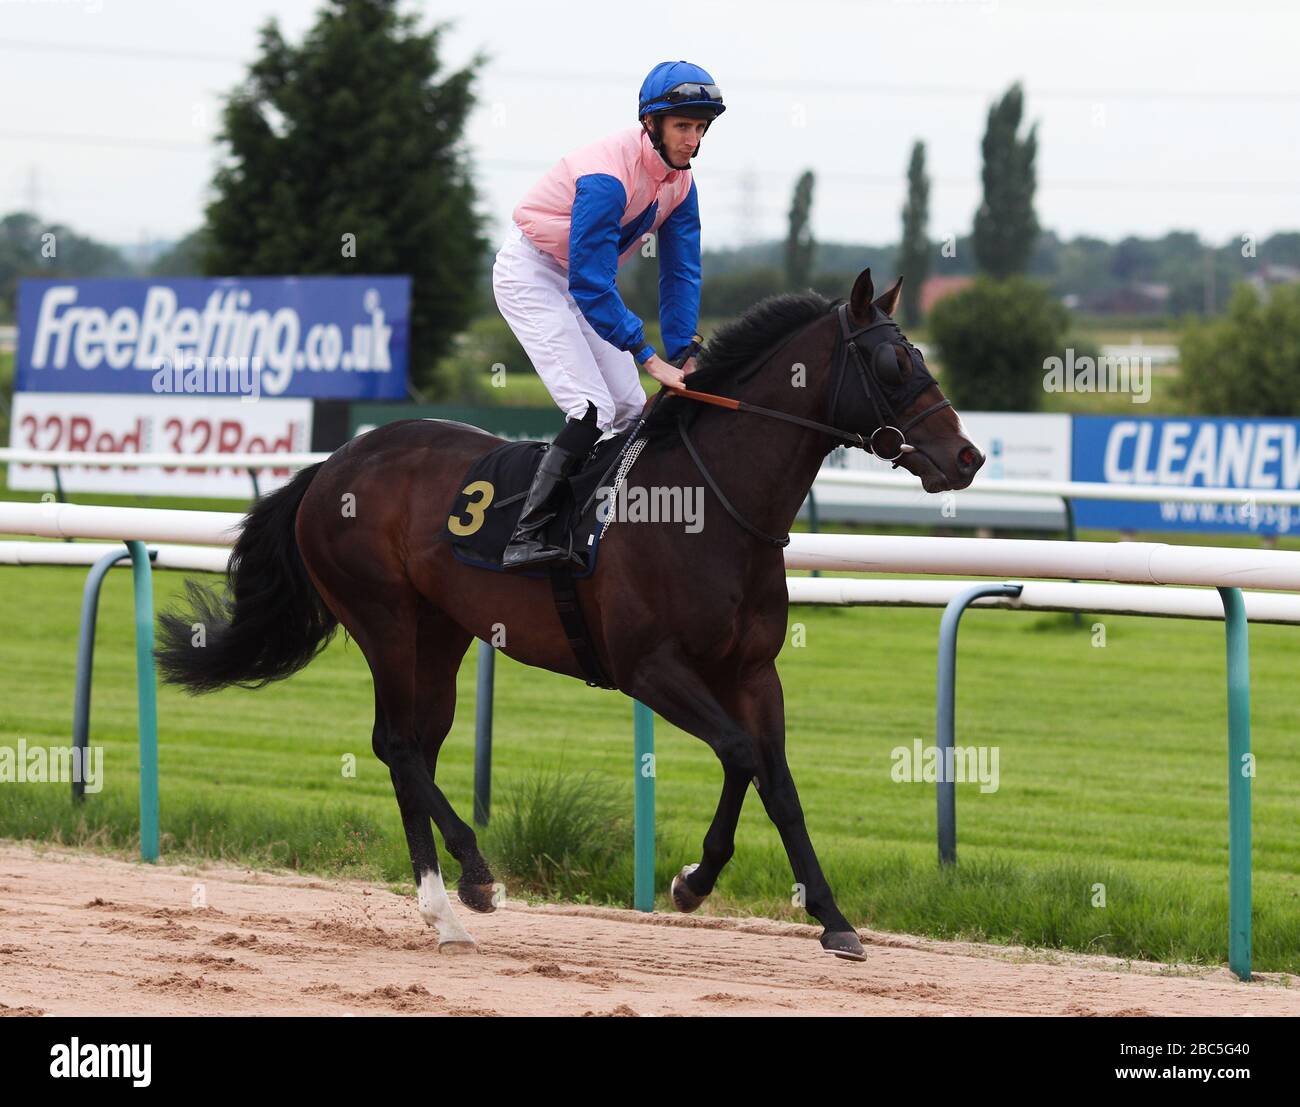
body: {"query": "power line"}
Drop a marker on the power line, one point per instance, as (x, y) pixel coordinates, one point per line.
(733, 177)
(123, 141)
(95, 50)
(874, 88)
(880, 88)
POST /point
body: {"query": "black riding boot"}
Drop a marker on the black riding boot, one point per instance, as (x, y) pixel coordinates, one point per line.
(562, 457)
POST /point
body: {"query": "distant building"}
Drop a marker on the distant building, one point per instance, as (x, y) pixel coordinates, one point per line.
(934, 289)
(1131, 299)
(1269, 276)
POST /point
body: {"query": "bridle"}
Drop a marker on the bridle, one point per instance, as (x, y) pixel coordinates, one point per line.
(882, 360)
(887, 442)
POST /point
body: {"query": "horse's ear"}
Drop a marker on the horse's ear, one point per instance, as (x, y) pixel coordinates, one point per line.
(888, 300)
(860, 297)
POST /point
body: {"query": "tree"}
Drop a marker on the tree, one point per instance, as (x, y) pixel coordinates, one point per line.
(1005, 225)
(31, 248)
(799, 243)
(350, 134)
(736, 292)
(1248, 361)
(914, 253)
(1133, 259)
(184, 259)
(993, 340)
(1282, 248)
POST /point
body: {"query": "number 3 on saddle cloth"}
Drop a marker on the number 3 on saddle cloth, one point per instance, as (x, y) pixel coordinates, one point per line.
(492, 492)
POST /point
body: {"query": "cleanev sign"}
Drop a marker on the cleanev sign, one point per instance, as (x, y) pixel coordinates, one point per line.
(318, 337)
(1250, 454)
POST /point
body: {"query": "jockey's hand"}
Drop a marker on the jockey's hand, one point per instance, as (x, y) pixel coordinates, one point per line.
(664, 372)
(689, 367)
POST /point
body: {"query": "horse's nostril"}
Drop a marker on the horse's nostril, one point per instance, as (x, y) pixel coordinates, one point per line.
(968, 457)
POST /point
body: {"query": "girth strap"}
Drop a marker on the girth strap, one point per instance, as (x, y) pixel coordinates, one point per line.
(569, 608)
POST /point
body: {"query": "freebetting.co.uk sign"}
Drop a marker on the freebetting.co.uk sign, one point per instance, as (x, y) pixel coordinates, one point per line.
(318, 337)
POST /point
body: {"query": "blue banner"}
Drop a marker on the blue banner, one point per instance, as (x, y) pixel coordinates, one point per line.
(318, 337)
(1194, 452)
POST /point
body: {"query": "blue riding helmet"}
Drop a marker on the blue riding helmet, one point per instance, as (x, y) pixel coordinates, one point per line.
(679, 88)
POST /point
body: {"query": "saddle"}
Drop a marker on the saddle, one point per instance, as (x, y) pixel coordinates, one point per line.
(488, 506)
(493, 489)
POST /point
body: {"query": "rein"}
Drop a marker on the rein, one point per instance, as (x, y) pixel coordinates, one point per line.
(851, 438)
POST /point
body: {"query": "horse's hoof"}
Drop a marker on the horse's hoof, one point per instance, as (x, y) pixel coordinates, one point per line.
(478, 897)
(457, 946)
(844, 943)
(684, 899)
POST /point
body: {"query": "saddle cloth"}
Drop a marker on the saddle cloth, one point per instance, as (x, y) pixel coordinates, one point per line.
(492, 494)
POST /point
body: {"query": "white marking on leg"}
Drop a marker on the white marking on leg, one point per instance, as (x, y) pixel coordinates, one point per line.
(435, 909)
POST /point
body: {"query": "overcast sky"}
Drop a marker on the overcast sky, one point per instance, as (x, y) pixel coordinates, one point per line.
(1154, 115)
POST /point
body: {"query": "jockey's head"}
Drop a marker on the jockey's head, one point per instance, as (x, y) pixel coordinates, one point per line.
(677, 103)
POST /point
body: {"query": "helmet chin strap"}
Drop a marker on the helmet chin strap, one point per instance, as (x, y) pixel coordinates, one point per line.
(655, 130)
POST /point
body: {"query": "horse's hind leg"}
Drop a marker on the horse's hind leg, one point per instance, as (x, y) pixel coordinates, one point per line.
(414, 656)
(441, 647)
(692, 885)
(393, 750)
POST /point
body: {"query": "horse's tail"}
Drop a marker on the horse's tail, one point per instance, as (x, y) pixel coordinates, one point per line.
(269, 622)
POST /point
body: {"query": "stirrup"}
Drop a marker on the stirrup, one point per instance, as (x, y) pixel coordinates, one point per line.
(531, 552)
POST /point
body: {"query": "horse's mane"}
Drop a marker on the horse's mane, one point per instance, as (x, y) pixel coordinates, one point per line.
(732, 355)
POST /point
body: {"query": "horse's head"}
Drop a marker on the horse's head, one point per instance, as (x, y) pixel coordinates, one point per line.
(883, 390)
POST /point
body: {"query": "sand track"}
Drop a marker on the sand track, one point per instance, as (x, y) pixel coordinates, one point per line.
(84, 934)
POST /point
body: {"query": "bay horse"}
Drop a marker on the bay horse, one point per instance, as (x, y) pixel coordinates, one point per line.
(688, 623)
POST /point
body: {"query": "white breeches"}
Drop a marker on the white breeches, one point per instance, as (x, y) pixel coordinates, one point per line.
(574, 362)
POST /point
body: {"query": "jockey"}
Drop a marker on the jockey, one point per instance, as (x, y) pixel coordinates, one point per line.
(555, 277)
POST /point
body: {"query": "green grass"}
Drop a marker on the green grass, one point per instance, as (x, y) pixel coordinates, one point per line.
(1112, 767)
(1122, 336)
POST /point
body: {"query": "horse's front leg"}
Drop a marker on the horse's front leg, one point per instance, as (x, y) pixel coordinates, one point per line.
(755, 709)
(752, 749)
(762, 709)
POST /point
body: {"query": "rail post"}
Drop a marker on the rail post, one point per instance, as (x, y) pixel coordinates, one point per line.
(643, 726)
(945, 710)
(86, 661)
(147, 697)
(487, 661)
(1240, 772)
